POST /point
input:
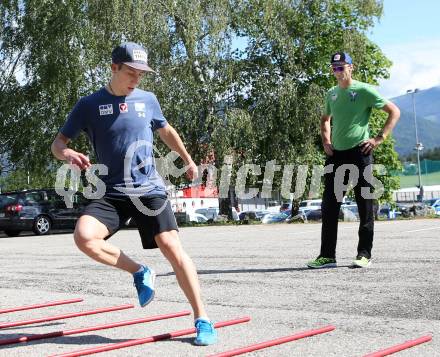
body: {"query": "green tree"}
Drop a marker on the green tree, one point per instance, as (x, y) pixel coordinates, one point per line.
(385, 155)
(67, 51)
(258, 104)
(284, 70)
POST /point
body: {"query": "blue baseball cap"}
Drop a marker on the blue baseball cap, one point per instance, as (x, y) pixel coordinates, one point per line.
(341, 58)
(131, 54)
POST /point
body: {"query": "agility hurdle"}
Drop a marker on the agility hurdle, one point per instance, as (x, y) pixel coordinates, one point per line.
(65, 316)
(140, 341)
(10, 341)
(401, 347)
(277, 341)
(38, 306)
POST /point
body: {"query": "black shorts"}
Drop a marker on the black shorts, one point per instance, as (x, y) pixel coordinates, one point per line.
(113, 212)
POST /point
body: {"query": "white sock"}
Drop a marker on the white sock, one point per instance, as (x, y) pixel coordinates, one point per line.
(205, 318)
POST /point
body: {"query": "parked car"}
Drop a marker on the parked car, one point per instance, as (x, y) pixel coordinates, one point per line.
(346, 213)
(274, 217)
(435, 205)
(400, 210)
(431, 202)
(349, 213)
(211, 213)
(311, 204)
(38, 211)
(286, 206)
(273, 206)
(386, 212)
(300, 216)
(314, 215)
(353, 208)
(252, 215)
(197, 217)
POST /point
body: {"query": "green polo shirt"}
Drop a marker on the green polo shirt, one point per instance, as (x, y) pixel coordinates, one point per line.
(350, 109)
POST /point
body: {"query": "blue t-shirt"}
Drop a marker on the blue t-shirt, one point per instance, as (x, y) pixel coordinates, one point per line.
(120, 129)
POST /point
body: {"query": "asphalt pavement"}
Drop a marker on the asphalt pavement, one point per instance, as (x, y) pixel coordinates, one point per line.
(257, 271)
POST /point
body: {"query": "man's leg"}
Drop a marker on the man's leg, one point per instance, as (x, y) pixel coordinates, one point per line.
(330, 214)
(89, 237)
(160, 231)
(366, 217)
(186, 274)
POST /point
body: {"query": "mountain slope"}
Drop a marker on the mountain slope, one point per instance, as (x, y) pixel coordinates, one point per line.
(428, 120)
(404, 133)
(427, 103)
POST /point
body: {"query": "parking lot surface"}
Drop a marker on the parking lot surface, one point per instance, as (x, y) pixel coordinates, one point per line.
(256, 271)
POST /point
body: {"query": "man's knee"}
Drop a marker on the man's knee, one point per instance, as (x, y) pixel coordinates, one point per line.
(85, 242)
(88, 234)
(169, 244)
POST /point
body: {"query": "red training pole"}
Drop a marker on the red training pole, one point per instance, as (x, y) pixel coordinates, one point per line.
(65, 316)
(277, 341)
(38, 306)
(140, 341)
(403, 346)
(10, 341)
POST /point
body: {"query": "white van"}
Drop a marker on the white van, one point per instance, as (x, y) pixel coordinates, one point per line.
(310, 204)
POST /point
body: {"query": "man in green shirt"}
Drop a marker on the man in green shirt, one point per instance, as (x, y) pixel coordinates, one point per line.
(346, 141)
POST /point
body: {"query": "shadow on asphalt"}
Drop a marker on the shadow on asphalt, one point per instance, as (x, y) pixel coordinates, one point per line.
(29, 326)
(52, 232)
(268, 270)
(189, 340)
(29, 234)
(66, 340)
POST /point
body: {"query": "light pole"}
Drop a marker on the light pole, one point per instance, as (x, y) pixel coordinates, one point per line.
(419, 145)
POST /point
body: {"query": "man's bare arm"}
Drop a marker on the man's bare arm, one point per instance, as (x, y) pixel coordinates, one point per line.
(62, 152)
(170, 137)
(393, 117)
(326, 134)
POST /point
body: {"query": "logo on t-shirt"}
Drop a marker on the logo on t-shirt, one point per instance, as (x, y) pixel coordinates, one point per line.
(106, 109)
(334, 96)
(123, 107)
(353, 96)
(139, 107)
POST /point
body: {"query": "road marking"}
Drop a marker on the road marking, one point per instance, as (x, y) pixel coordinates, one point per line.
(281, 229)
(272, 230)
(414, 230)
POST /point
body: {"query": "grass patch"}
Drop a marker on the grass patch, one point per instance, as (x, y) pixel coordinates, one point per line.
(427, 180)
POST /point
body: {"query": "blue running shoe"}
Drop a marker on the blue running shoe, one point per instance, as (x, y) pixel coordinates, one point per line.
(206, 333)
(144, 283)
